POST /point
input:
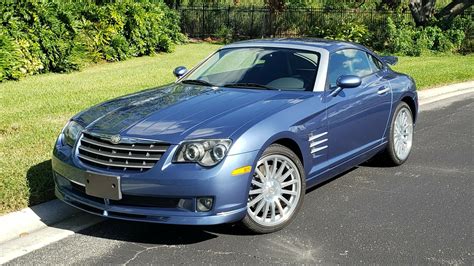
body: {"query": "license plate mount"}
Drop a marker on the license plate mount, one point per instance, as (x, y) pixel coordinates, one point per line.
(103, 186)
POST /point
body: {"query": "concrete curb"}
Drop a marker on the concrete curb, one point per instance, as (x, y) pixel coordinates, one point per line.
(440, 93)
(21, 224)
(18, 247)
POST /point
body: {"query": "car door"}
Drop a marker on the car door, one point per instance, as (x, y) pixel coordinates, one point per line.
(357, 117)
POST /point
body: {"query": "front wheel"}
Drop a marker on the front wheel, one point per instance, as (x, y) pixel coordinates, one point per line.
(276, 192)
(401, 136)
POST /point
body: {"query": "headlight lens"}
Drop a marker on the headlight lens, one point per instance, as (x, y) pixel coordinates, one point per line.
(204, 152)
(71, 132)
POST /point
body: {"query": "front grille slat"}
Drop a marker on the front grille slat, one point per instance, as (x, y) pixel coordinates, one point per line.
(118, 155)
(136, 156)
(108, 163)
(123, 147)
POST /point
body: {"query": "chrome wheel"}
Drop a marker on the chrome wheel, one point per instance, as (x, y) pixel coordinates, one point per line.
(403, 133)
(275, 190)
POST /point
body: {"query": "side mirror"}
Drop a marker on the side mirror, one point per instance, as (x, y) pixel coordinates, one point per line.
(345, 82)
(180, 71)
(391, 60)
(348, 81)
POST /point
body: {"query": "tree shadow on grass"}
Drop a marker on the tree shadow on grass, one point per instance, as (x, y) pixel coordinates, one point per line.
(40, 183)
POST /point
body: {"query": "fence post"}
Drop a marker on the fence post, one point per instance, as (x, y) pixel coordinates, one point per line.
(228, 16)
(203, 21)
(270, 27)
(251, 21)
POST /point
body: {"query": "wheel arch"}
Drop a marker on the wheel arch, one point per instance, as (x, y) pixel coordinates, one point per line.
(290, 141)
(412, 104)
(293, 146)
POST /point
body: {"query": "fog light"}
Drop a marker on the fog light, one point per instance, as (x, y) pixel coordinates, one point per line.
(204, 204)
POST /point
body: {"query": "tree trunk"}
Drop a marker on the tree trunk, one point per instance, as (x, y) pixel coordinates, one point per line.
(422, 11)
(456, 7)
(275, 5)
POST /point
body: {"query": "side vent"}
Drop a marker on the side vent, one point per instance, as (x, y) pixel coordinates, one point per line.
(318, 142)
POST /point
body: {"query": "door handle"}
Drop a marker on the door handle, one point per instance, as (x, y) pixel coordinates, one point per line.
(383, 90)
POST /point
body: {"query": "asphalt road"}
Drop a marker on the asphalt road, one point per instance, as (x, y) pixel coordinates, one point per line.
(420, 212)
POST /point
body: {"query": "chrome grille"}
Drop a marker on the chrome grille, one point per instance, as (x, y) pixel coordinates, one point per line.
(102, 153)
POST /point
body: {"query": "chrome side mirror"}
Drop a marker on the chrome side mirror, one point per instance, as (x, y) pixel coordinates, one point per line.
(180, 71)
(346, 82)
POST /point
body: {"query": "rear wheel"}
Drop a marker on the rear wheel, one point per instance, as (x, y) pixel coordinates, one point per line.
(276, 192)
(401, 137)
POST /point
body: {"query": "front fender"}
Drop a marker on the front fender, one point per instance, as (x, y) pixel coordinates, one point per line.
(259, 139)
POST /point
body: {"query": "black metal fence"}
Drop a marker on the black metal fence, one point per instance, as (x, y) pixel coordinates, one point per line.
(257, 22)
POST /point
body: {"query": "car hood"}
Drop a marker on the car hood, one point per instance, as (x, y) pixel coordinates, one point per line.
(177, 112)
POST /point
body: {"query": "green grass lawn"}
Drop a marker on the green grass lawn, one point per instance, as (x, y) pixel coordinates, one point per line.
(436, 70)
(33, 110)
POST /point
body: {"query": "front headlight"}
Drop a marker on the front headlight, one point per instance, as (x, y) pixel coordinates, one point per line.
(204, 152)
(71, 132)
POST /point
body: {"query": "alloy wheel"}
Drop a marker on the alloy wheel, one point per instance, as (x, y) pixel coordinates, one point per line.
(275, 190)
(403, 134)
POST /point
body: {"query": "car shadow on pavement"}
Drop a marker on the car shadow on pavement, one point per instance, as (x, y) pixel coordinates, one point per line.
(152, 233)
(159, 234)
(330, 180)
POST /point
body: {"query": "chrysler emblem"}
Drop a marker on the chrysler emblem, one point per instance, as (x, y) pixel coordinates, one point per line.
(115, 139)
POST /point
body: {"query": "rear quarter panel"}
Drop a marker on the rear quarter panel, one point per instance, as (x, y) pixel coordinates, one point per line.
(403, 86)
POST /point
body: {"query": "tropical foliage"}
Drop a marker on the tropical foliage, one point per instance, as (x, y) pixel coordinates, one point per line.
(54, 36)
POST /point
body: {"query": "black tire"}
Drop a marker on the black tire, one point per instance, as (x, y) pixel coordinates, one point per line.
(389, 156)
(276, 149)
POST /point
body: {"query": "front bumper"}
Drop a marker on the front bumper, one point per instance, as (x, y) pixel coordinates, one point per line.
(166, 193)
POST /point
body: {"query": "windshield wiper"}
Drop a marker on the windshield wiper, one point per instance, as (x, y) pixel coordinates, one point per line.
(248, 85)
(197, 82)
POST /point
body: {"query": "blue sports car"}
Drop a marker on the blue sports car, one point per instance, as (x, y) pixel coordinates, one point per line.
(240, 137)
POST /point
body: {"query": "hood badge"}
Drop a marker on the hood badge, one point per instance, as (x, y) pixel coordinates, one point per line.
(115, 139)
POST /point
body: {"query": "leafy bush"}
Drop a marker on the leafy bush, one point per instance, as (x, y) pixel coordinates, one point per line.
(350, 28)
(225, 34)
(353, 32)
(404, 38)
(400, 38)
(54, 36)
(10, 56)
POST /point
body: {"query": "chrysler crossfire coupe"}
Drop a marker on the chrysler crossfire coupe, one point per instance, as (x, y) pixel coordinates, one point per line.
(238, 138)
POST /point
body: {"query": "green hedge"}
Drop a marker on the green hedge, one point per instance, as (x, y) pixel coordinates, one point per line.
(402, 37)
(385, 31)
(52, 36)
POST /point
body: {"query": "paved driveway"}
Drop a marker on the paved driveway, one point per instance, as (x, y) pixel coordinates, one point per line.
(420, 212)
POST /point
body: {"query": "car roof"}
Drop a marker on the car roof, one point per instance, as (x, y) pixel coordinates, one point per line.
(329, 45)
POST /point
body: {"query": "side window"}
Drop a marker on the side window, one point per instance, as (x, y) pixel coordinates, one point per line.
(375, 63)
(348, 62)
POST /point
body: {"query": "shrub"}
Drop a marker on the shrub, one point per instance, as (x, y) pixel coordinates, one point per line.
(337, 29)
(404, 38)
(10, 58)
(54, 36)
(353, 32)
(225, 34)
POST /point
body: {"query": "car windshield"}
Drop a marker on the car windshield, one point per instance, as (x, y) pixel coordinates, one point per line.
(258, 68)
